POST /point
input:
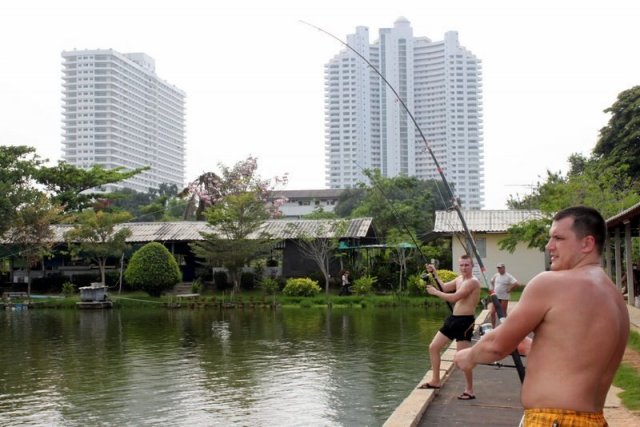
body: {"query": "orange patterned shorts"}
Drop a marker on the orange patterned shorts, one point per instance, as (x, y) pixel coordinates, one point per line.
(562, 418)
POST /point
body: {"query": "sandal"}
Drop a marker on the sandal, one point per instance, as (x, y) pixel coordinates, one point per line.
(466, 396)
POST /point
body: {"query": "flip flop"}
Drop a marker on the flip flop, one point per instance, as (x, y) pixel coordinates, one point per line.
(429, 386)
(466, 396)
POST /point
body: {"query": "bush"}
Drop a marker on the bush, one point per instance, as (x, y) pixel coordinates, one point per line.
(416, 286)
(196, 286)
(363, 285)
(68, 289)
(270, 285)
(301, 287)
(153, 269)
(446, 275)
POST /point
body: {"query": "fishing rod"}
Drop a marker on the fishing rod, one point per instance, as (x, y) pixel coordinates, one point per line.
(455, 203)
(402, 223)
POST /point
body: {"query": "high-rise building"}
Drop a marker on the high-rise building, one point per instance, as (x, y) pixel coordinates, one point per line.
(118, 113)
(367, 128)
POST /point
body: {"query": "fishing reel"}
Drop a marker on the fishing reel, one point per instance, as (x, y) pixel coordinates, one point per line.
(427, 277)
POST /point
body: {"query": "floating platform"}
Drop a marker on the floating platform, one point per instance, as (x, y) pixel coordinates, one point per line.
(94, 304)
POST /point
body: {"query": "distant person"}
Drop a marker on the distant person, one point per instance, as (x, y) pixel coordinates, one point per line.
(464, 292)
(580, 325)
(344, 289)
(502, 283)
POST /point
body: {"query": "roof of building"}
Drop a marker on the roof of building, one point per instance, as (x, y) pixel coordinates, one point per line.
(626, 215)
(277, 229)
(484, 221)
(311, 194)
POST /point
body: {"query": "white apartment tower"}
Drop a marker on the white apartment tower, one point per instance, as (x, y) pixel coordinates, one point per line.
(118, 113)
(367, 128)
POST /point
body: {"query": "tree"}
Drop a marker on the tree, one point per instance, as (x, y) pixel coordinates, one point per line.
(201, 194)
(153, 269)
(32, 234)
(236, 213)
(607, 180)
(619, 142)
(405, 204)
(320, 243)
(161, 204)
(588, 184)
(94, 235)
(18, 164)
(70, 185)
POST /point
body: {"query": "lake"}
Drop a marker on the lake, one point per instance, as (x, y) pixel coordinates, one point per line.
(211, 367)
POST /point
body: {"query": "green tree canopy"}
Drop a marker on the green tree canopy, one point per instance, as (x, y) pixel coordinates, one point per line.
(18, 165)
(405, 204)
(31, 232)
(619, 143)
(608, 180)
(95, 236)
(70, 185)
(237, 212)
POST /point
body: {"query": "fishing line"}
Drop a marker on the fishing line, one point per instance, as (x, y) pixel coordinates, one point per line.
(455, 203)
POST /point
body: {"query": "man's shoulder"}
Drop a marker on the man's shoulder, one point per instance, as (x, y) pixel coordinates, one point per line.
(472, 281)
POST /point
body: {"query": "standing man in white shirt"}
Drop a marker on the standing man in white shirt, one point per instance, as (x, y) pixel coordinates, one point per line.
(502, 283)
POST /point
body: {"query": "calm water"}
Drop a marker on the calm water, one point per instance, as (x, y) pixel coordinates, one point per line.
(133, 367)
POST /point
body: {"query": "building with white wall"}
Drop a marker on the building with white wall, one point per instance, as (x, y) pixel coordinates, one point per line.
(367, 128)
(118, 113)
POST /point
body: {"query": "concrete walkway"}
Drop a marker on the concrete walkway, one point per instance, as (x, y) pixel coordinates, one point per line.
(497, 400)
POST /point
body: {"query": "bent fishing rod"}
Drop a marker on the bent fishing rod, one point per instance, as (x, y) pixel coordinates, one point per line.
(455, 204)
(406, 229)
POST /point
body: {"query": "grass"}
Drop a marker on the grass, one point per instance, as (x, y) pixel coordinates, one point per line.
(628, 378)
(634, 341)
(138, 299)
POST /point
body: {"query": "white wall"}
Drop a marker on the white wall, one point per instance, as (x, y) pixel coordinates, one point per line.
(523, 264)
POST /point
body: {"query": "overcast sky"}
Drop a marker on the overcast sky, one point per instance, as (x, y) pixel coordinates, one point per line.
(253, 73)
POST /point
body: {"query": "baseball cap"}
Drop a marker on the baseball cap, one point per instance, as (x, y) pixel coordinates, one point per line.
(500, 264)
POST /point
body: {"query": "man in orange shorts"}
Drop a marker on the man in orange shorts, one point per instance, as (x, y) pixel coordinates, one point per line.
(573, 306)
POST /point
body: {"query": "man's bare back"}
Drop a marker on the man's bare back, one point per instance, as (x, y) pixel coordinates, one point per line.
(584, 318)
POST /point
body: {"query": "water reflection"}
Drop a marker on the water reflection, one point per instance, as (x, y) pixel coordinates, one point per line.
(294, 366)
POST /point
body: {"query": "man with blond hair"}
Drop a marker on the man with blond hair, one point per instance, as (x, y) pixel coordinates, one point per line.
(464, 293)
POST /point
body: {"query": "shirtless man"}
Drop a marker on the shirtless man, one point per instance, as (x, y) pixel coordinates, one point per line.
(573, 306)
(464, 292)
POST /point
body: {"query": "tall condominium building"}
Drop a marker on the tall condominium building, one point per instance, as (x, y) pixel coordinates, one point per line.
(367, 128)
(118, 112)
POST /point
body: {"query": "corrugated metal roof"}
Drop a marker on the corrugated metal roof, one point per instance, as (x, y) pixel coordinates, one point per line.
(308, 194)
(190, 230)
(484, 221)
(628, 214)
(292, 228)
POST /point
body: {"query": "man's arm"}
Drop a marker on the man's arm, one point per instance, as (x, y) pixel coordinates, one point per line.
(446, 287)
(461, 292)
(522, 320)
(513, 283)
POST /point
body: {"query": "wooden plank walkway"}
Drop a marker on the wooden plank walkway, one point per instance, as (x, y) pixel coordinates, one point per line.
(497, 401)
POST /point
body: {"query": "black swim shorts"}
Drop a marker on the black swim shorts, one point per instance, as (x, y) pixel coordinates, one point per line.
(459, 328)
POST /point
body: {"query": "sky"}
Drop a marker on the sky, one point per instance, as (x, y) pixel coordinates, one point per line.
(254, 76)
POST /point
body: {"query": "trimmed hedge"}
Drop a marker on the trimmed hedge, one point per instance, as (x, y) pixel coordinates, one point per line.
(153, 269)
